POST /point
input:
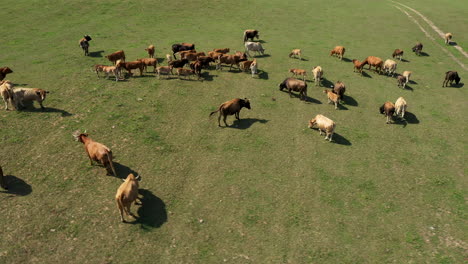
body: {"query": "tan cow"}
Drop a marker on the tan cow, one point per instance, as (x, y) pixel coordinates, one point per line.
(338, 51)
(323, 123)
(295, 52)
(6, 91)
(318, 74)
(150, 51)
(126, 195)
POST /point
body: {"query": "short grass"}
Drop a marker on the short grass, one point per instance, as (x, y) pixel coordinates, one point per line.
(266, 190)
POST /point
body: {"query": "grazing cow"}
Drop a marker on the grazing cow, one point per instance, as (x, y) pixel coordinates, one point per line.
(2, 180)
(295, 52)
(332, 97)
(96, 152)
(451, 76)
(417, 48)
(108, 70)
(338, 51)
(214, 55)
(318, 74)
(192, 56)
(253, 67)
(296, 85)
(178, 63)
(205, 61)
(388, 109)
(4, 71)
(398, 53)
(358, 66)
(181, 47)
(231, 107)
(224, 51)
(185, 72)
(84, 44)
(126, 195)
(164, 69)
(22, 95)
(390, 67)
(168, 58)
(407, 75)
(374, 61)
(149, 62)
(255, 47)
(129, 66)
(400, 107)
(448, 38)
(251, 34)
(230, 60)
(325, 124)
(6, 91)
(150, 51)
(339, 89)
(298, 72)
(401, 81)
(118, 55)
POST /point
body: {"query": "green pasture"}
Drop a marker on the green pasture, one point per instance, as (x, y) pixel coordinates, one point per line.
(267, 189)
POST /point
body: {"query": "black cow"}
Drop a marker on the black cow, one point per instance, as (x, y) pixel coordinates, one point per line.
(178, 63)
(451, 76)
(250, 34)
(84, 44)
(417, 48)
(181, 47)
(2, 180)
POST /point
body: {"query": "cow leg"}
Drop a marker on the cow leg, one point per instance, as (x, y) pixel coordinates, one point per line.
(219, 119)
(6, 104)
(121, 209)
(320, 131)
(42, 107)
(336, 105)
(330, 137)
(224, 119)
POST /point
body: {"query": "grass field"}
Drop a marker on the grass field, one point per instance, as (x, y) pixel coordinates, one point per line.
(265, 190)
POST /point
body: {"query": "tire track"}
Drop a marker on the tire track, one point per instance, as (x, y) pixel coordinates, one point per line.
(432, 38)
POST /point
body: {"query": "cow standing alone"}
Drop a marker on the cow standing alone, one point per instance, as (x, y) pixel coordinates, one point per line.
(84, 44)
(231, 107)
(126, 195)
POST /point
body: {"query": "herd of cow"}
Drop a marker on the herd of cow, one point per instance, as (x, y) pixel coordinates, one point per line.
(127, 193)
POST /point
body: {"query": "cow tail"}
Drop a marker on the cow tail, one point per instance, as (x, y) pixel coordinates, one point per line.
(219, 108)
(111, 164)
(245, 36)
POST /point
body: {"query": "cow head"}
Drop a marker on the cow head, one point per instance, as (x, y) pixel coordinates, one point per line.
(87, 37)
(78, 136)
(41, 94)
(457, 79)
(282, 85)
(312, 122)
(132, 177)
(6, 70)
(245, 103)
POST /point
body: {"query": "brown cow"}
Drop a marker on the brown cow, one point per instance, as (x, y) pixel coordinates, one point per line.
(126, 195)
(149, 62)
(108, 70)
(193, 56)
(296, 85)
(96, 152)
(4, 71)
(298, 72)
(398, 53)
(374, 61)
(150, 51)
(185, 72)
(224, 51)
(231, 107)
(229, 59)
(448, 38)
(251, 34)
(339, 89)
(389, 110)
(332, 97)
(338, 51)
(114, 57)
(164, 69)
(129, 66)
(358, 66)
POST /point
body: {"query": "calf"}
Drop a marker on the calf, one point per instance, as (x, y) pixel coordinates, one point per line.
(2, 180)
(22, 95)
(295, 52)
(390, 67)
(231, 107)
(339, 89)
(332, 97)
(185, 72)
(255, 47)
(168, 58)
(296, 85)
(338, 51)
(253, 67)
(6, 91)
(149, 62)
(318, 73)
(164, 69)
(298, 72)
(178, 63)
(417, 48)
(448, 38)
(401, 81)
(388, 109)
(96, 152)
(84, 44)
(325, 124)
(358, 66)
(251, 34)
(129, 66)
(108, 70)
(114, 57)
(407, 75)
(451, 76)
(398, 53)
(4, 71)
(126, 195)
(150, 51)
(400, 107)
(224, 51)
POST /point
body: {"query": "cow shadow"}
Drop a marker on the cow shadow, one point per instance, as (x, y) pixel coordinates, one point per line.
(339, 139)
(245, 123)
(349, 100)
(412, 82)
(409, 88)
(307, 98)
(261, 41)
(122, 170)
(20, 84)
(206, 76)
(346, 60)
(365, 74)
(16, 186)
(260, 56)
(152, 213)
(327, 83)
(263, 75)
(404, 60)
(452, 43)
(96, 54)
(411, 118)
(424, 54)
(29, 107)
(454, 85)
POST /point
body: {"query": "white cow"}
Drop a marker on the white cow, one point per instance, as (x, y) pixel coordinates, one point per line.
(253, 46)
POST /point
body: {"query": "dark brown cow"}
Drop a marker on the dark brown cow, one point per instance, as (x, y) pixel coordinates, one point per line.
(231, 107)
(296, 85)
(417, 48)
(4, 71)
(181, 47)
(451, 76)
(250, 34)
(398, 53)
(178, 63)
(339, 89)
